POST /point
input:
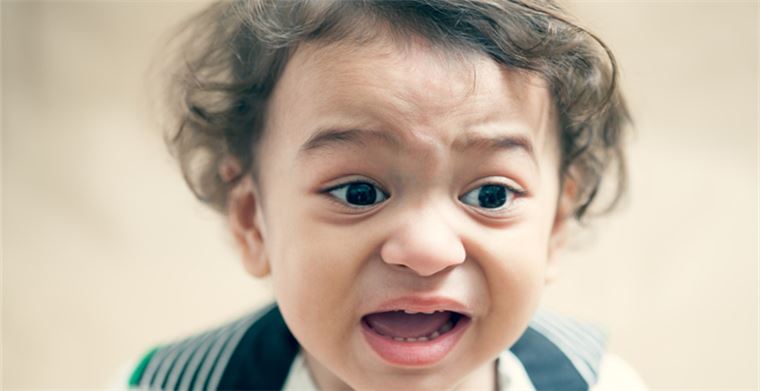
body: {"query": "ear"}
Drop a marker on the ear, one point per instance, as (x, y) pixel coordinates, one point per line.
(559, 233)
(245, 219)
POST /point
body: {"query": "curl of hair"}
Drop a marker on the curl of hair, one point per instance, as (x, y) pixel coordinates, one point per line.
(230, 56)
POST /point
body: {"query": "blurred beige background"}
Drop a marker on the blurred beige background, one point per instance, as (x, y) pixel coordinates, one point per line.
(105, 252)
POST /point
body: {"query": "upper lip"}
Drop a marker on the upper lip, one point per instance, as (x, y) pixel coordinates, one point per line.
(422, 304)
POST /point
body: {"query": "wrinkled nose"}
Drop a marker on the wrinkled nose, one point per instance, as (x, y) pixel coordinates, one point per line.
(424, 243)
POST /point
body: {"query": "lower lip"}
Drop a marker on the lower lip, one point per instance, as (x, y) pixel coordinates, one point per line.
(415, 354)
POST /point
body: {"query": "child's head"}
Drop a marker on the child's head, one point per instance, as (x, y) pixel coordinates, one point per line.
(375, 156)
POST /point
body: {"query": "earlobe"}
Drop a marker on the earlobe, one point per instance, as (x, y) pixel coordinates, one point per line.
(244, 216)
(559, 231)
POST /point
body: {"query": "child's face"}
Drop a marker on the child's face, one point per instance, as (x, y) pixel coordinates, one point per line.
(399, 178)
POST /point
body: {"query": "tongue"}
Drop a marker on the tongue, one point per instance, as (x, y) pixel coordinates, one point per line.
(401, 324)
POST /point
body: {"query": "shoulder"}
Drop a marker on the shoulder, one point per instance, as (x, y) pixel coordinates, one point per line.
(216, 358)
(560, 353)
(615, 374)
(557, 352)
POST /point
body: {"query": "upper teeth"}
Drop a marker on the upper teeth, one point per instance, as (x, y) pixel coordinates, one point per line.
(419, 312)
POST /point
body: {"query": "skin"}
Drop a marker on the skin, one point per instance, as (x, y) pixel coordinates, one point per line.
(421, 111)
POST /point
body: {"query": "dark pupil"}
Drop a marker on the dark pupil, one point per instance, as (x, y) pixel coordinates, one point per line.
(492, 196)
(361, 194)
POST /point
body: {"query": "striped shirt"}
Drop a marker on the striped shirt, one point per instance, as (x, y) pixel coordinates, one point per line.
(258, 351)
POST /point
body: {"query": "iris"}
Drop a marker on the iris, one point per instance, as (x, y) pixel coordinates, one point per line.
(492, 196)
(361, 194)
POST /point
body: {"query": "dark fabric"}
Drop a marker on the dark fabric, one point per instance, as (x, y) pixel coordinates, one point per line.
(263, 356)
(262, 359)
(548, 368)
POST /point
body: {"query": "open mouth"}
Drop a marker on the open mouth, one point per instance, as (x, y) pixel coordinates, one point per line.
(409, 326)
(408, 338)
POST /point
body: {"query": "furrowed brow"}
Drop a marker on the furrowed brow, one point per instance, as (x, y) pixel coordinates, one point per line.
(331, 137)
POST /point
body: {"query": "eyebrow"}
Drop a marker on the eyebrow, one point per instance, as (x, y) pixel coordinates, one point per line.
(327, 138)
(508, 142)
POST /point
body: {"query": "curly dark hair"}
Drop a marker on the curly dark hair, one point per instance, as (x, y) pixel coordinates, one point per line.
(231, 54)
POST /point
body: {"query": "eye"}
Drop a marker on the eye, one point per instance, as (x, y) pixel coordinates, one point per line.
(358, 194)
(491, 196)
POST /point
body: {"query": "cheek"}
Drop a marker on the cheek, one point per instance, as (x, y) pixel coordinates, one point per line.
(517, 278)
(514, 265)
(314, 270)
(515, 298)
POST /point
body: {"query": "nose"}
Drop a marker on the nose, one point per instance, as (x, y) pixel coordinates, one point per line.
(424, 243)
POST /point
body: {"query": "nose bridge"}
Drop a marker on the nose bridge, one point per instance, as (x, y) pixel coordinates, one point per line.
(424, 241)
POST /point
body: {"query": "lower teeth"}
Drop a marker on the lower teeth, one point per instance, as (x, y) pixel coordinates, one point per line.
(435, 334)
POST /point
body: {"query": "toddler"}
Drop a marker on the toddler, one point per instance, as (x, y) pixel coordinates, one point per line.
(404, 172)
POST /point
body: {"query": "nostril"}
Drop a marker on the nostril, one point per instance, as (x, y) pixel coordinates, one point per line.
(424, 246)
(423, 272)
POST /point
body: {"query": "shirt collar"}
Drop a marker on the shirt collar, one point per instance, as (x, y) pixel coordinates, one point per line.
(512, 375)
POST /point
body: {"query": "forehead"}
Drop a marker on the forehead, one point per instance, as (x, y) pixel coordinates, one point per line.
(424, 95)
